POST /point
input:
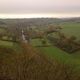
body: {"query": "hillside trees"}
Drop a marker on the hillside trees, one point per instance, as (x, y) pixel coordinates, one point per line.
(66, 43)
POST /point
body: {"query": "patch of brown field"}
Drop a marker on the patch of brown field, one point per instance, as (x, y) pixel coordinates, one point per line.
(30, 65)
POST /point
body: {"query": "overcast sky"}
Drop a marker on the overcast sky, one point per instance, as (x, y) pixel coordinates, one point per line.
(38, 8)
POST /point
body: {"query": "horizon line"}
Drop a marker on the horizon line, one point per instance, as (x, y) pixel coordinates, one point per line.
(18, 16)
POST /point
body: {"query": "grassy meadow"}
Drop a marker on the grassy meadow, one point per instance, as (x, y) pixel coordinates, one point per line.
(51, 51)
(71, 29)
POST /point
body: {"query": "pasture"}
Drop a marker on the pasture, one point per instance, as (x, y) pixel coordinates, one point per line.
(57, 54)
(1, 30)
(70, 29)
(11, 45)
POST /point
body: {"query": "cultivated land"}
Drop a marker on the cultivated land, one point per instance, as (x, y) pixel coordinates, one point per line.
(26, 52)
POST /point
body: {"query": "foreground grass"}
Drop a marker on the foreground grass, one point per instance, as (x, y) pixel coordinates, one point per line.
(63, 57)
(57, 54)
(30, 65)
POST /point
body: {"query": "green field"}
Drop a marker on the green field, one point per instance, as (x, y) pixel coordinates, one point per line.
(2, 30)
(6, 43)
(55, 53)
(37, 42)
(59, 55)
(10, 45)
(71, 29)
